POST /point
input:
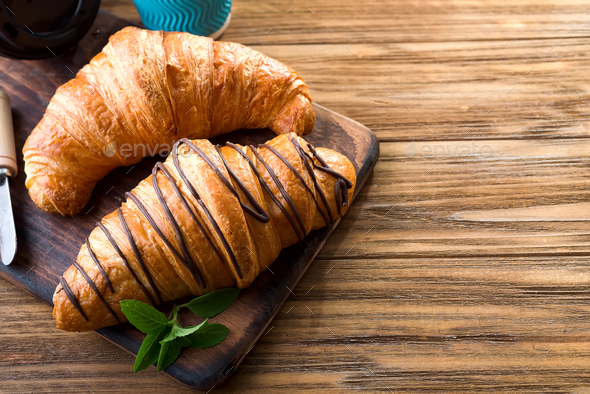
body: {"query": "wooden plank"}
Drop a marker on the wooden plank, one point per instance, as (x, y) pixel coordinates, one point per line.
(408, 324)
(528, 198)
(441, 91)
(402, 21)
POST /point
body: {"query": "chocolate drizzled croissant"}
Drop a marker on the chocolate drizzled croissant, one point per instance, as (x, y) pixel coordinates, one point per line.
(208, 217)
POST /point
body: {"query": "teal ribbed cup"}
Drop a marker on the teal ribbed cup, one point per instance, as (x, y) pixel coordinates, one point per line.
(201, 17)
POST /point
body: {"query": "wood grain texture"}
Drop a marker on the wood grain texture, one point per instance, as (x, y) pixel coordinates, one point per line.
(527, 198)
(452, 292)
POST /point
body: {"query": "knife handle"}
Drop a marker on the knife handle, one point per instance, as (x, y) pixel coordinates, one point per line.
(7, 148)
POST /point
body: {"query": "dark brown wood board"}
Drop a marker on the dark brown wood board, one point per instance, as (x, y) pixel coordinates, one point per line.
(48, 244)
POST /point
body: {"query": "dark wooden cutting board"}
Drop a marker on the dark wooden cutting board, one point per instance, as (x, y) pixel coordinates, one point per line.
(48, 244)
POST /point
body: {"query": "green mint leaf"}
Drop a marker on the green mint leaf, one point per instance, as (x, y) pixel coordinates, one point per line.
(182, 341)
(143, 316)
(211, 304)
(178, 331)
(168, 353)
(209, 335)
(149, 350)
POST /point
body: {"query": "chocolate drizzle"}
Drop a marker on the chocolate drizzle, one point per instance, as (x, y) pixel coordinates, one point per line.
(138, 255)
(341, 194)
(93, 287)
(71, 296)
(118, 250)
(306, 159)
(260, 214)
(300, 232)
(190, 265)
(341, 187)
(100, 268)
(188, 260)
(190, 211)
(265, 186)
(212, 220)
(326, 168)
(298, 176)
(342, 184)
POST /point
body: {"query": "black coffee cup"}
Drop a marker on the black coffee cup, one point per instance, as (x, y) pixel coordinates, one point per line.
(37, 29)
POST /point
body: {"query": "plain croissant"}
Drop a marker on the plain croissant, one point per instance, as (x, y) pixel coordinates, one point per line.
(147, 89)
(208, 217)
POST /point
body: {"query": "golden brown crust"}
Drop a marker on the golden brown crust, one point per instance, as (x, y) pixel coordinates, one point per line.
(254, 243)
(148, 89)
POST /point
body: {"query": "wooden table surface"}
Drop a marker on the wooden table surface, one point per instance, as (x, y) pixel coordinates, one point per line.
(463, 263)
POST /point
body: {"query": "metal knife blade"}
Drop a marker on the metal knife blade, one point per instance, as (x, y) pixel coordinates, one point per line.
(7, 229)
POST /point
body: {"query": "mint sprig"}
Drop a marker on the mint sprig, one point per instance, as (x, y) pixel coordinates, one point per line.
(208, 336)
(178, 331)
(166, 337)
(213, 303)
(144, 317)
